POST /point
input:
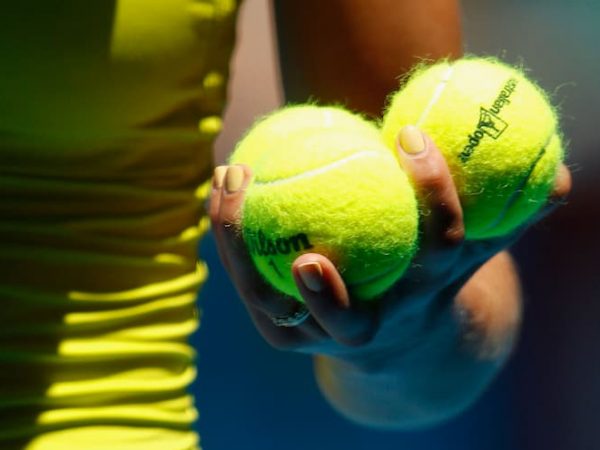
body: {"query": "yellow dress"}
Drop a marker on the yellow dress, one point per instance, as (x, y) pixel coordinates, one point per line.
(108, 113)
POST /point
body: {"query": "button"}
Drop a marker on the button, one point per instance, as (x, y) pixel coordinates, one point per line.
(213, 81)
(210, 125)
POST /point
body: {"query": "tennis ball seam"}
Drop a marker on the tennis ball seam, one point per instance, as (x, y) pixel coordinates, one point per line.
(326, 168)
(437, 94)
(439, 90)
(324, 176)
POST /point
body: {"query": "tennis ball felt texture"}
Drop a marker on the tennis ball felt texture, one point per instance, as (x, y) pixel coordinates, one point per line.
(273, 129)
(327, 185)
(498, 133)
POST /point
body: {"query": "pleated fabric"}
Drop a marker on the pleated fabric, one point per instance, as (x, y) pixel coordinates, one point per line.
(108, 114)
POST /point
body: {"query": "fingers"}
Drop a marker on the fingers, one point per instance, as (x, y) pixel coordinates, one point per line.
(560, 192)
(442, 217)
(348, 323)
(224, 219)
(331, 314)
(306, 337)
(562, 185)
(217, 184)
(227, 198)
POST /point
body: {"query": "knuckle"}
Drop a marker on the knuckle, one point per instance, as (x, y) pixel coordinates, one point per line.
(231, 215)
(560, 193)
(563, 185)
(434, 179)
(455, 234)
(446, 223)
(277, 337)
(230, 226)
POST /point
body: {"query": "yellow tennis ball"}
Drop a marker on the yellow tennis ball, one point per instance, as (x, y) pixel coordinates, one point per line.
(498, 133)
(275, 127)
(324, 182)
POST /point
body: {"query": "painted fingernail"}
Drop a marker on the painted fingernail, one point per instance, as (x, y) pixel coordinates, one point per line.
(218, 176)
(311, 275)
(234, 178)
(411, 140)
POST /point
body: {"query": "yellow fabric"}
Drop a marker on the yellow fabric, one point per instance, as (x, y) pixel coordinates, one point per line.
(108, 112)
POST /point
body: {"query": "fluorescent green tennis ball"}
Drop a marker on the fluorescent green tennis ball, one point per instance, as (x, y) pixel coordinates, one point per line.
(331, 188)
(275, 127)
(498, 134)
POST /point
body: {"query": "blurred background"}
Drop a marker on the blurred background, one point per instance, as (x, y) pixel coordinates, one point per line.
(548, 397)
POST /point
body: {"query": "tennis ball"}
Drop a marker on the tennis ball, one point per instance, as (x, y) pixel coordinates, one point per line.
(324, 182)
(275, 128)
(497, 131)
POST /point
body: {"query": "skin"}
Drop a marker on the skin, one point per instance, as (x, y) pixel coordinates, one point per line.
(431, 345)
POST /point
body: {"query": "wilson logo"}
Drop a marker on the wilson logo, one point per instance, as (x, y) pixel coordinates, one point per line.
(259, 244)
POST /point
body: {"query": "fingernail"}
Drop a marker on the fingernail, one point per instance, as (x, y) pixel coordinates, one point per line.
(218, 176)
(234, 179)
(411, 140)
(311, 274)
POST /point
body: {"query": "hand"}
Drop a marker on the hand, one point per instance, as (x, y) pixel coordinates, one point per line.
(339, 325)
(399, 361)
